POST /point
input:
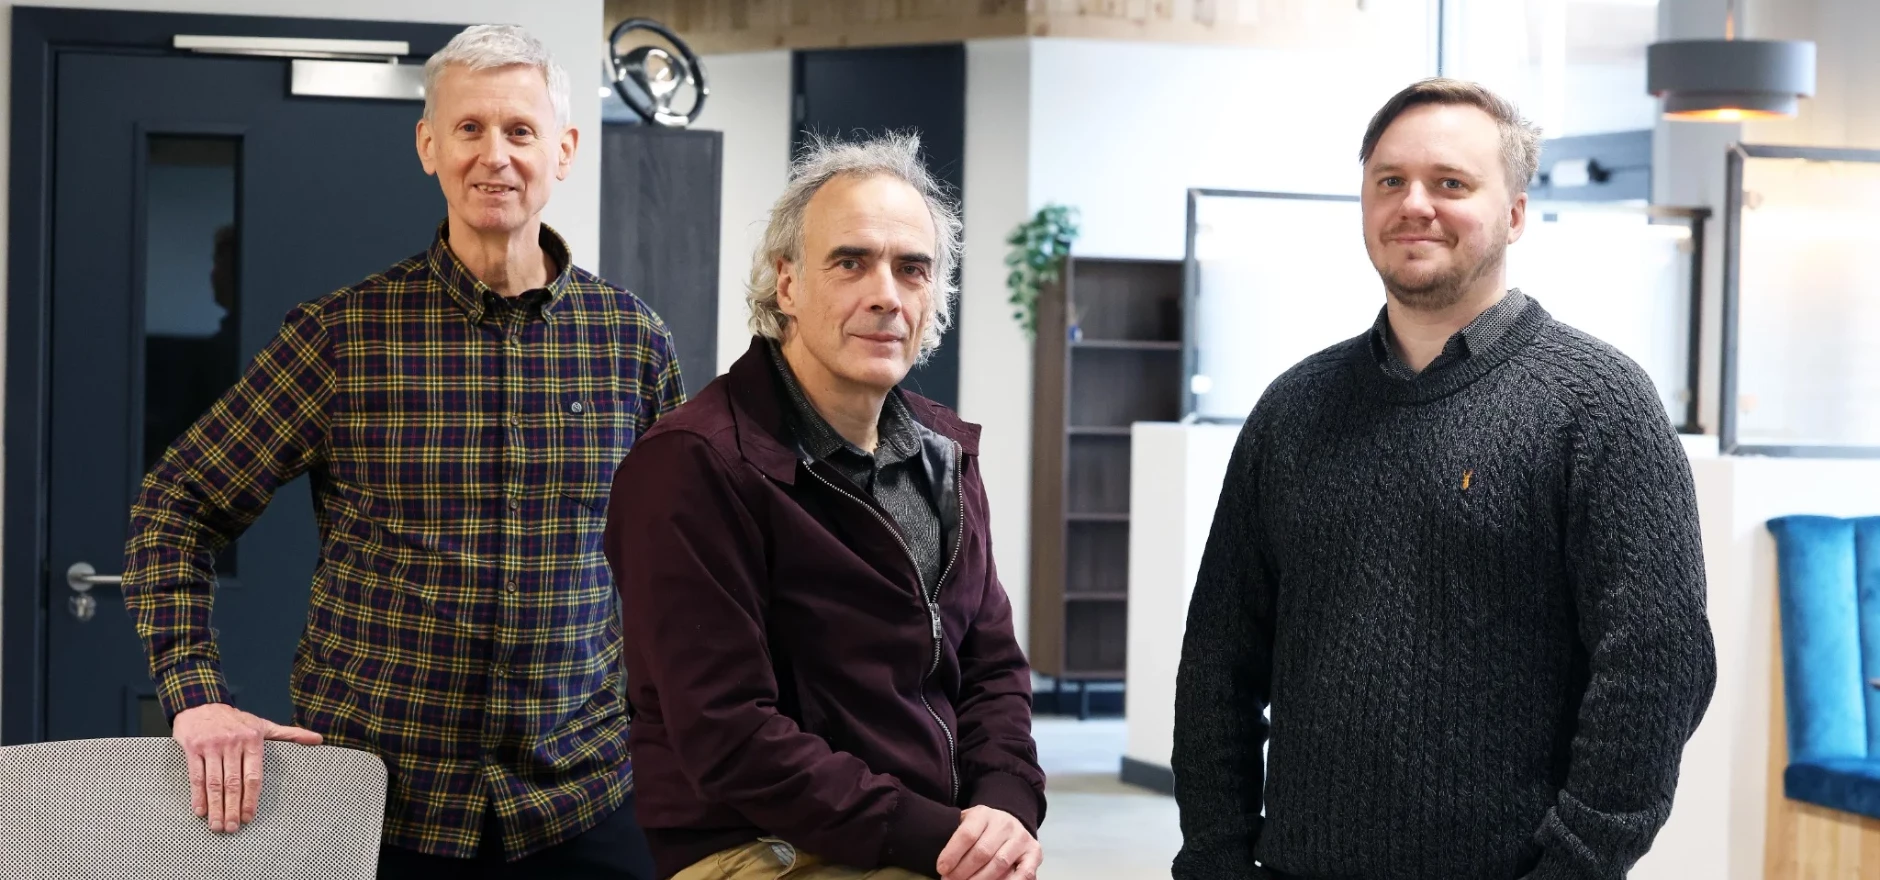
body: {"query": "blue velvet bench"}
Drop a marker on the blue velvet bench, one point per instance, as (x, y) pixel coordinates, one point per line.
(1828, 572)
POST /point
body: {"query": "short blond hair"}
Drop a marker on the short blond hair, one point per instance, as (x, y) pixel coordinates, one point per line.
(1520, 139)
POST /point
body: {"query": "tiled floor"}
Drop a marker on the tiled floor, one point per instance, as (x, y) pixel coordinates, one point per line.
(1097, 828)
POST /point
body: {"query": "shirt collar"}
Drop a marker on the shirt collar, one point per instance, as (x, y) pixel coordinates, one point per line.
(475, 297)
(899, 438)
(1481, 333)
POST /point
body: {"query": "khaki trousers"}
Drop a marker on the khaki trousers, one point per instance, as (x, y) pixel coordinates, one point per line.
(772, 859)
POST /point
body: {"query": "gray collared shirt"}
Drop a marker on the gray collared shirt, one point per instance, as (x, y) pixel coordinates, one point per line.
(1487, 329)
(893, 474)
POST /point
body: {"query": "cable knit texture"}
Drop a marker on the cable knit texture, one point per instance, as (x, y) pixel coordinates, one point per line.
(1474, 601)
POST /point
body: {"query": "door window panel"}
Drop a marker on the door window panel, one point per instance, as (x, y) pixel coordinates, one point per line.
(192, 302)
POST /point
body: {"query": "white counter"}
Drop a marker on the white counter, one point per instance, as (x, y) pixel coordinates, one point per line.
(1175, 476)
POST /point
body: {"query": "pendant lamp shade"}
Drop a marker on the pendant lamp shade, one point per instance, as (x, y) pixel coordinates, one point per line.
(1730, 80)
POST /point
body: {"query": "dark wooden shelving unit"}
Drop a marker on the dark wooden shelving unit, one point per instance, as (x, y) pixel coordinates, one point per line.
(1108, 354)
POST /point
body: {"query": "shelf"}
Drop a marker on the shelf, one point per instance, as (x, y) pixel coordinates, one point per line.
(1088, 392)
(1128, 344)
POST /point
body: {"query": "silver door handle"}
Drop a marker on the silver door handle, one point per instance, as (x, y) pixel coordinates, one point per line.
(82, 577)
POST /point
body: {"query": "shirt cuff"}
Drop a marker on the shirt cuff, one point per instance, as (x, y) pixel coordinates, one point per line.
(920, 829)
(190, 685)
(1008, 794)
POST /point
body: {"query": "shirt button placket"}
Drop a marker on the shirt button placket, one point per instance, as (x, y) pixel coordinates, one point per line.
(516, 451)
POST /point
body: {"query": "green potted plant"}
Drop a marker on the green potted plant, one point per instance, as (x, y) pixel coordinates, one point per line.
(1038, 248)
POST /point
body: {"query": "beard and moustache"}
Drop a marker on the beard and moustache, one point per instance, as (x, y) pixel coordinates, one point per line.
(1441, 290)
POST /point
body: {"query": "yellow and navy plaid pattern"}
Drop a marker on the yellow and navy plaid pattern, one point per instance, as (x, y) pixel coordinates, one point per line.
(464, 623)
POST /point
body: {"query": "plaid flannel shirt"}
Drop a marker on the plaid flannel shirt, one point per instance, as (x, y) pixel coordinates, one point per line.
(464, 623)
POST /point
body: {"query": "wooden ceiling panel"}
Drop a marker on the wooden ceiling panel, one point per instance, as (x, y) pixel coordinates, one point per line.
(713, 26)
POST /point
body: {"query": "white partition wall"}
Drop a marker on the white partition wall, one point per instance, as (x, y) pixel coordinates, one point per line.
(1278, 278)
(1174, 481)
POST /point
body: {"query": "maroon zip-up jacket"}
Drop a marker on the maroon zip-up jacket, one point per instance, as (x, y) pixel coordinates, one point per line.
(788, 676)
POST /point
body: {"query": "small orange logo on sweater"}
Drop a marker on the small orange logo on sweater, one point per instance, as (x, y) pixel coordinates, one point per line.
(1467, 478)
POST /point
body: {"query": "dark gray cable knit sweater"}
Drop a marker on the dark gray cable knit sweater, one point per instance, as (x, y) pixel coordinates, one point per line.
(1475, 603)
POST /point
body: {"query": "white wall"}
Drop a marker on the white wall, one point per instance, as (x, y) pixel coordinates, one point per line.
(570, 28)
(1122, 130)
(750, 103)
(995, 363)
(1613, 99)
(1845, 111)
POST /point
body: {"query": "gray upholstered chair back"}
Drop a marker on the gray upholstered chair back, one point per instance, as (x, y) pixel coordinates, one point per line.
(111, 808)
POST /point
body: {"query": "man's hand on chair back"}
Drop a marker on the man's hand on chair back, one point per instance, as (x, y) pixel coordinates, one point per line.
(223, 747)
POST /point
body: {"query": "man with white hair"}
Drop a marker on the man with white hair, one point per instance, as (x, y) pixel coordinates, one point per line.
(819, 653)
(461, 415)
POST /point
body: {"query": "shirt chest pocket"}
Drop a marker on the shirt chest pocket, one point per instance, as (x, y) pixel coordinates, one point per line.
(596, 429)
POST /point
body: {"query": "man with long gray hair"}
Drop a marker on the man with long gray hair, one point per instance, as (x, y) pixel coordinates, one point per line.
(819, 653)
(461, 415)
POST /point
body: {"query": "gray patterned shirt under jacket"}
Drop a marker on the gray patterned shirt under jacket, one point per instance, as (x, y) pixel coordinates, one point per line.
(893, 474)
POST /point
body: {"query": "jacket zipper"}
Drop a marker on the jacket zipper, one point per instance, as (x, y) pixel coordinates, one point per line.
(933, 609)
(932, 600)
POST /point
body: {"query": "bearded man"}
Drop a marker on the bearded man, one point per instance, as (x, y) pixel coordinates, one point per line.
(1458, 558)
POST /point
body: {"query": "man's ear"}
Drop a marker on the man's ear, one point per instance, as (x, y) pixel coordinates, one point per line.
(564, 160)
(427, 144)
(1517, 217)
(787, 288)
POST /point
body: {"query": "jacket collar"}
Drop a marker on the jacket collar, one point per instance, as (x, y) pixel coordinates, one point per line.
(761, 415)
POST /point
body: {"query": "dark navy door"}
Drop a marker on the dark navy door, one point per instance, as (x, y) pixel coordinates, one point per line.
(196, 200)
